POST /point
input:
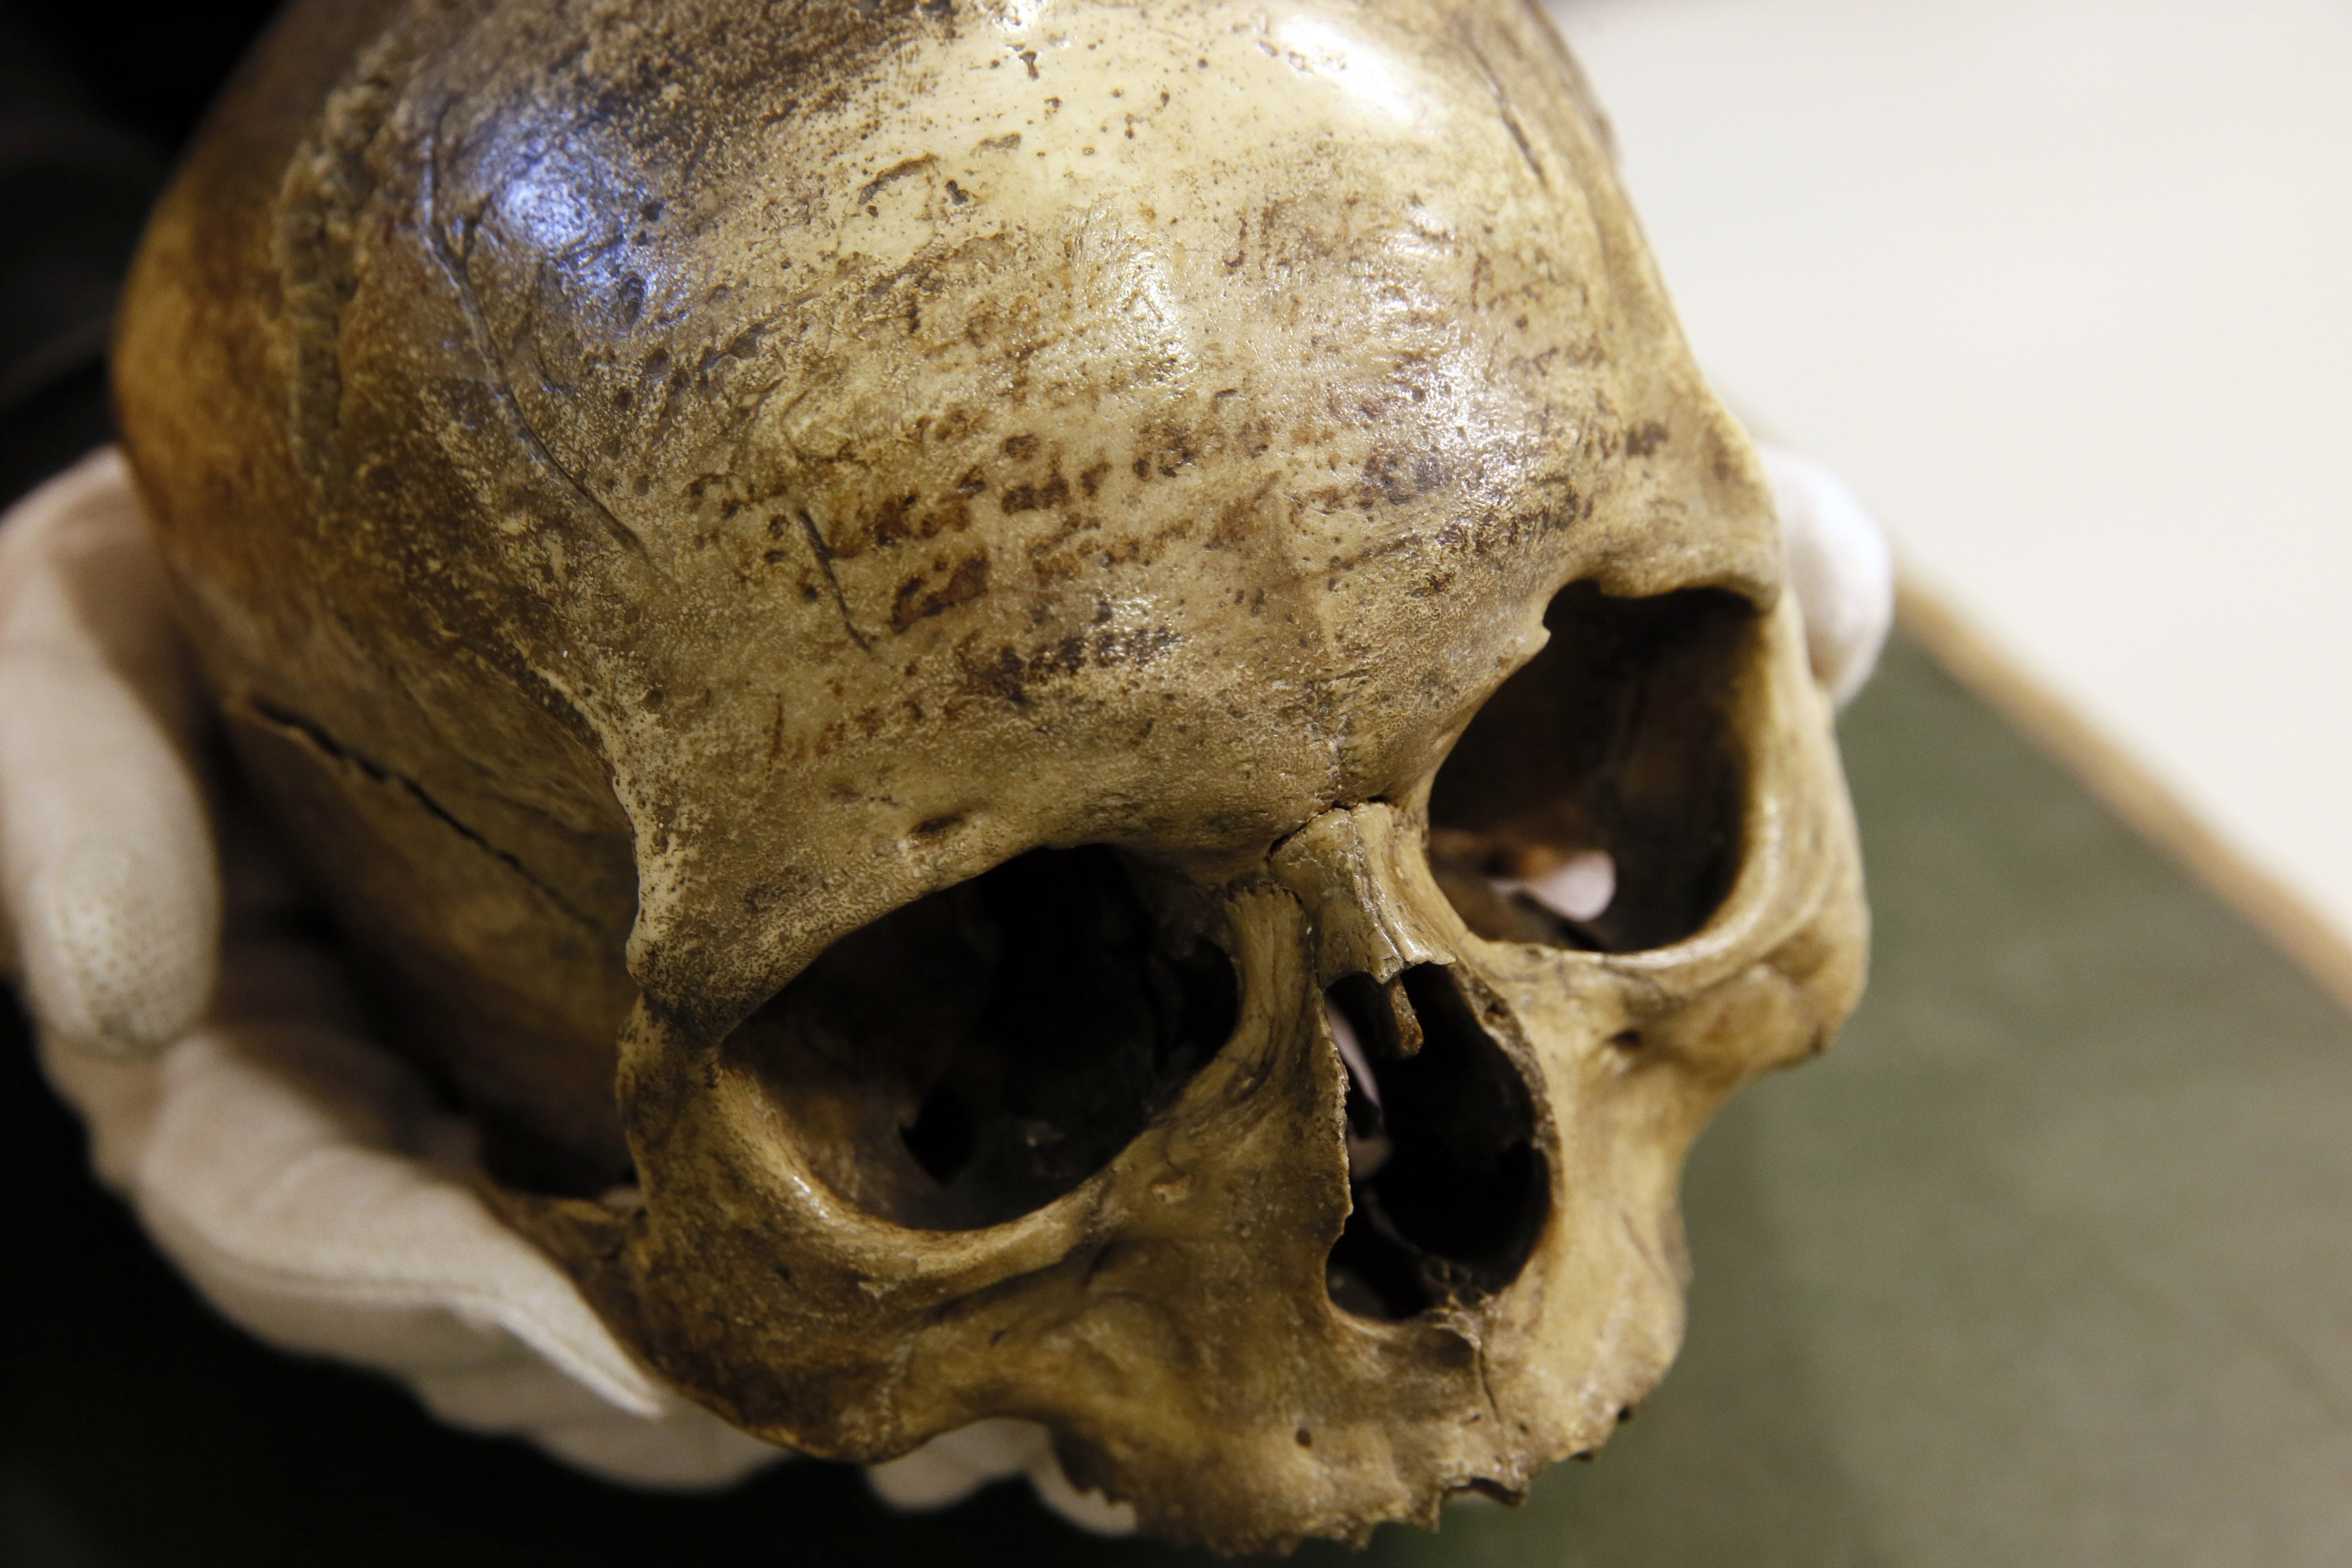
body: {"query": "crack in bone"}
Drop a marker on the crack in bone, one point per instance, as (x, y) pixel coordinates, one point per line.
(319, 738)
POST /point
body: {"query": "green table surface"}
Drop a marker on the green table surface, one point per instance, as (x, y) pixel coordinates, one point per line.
(2045, 1263)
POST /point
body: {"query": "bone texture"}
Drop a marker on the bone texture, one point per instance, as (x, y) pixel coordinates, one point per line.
(868, 612)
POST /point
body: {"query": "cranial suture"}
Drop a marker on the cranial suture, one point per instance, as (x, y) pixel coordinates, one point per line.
(1066, 711)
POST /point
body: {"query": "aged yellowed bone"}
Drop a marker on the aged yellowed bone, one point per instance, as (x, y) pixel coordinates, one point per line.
(876, 612)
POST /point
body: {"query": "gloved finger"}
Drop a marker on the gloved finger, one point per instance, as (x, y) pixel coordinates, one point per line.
(1090, 1512)
(512, 1391)
(282, 1169)
(955, 1465)
(692, 1450)
(311, 1190)
(1841, 567)
(107, 871)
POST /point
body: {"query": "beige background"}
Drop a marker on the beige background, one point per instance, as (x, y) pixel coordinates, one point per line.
(2064, 289)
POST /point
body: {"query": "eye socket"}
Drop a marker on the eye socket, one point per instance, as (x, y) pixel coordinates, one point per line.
(975, 1055)
(1594, 802)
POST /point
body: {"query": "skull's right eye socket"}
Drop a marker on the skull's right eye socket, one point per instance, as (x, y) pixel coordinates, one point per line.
(979, 1053)
(1595, 801)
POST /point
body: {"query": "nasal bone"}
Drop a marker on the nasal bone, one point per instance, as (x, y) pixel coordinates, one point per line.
(1362, 874)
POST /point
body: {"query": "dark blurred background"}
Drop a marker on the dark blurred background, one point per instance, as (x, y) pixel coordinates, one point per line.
(95, 97)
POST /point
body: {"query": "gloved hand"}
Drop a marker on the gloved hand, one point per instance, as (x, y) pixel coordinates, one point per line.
(302, 1178)
(1839, 567)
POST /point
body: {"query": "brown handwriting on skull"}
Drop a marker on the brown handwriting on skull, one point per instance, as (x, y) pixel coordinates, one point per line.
(1109, 738)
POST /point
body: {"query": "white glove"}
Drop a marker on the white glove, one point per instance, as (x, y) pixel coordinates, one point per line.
(106, 854)
(301, 1177)
(1840, 567)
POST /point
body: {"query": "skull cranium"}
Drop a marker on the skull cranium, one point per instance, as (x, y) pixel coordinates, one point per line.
(905, 625)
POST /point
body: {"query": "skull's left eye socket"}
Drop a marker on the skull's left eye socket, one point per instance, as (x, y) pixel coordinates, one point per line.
(979, 1053)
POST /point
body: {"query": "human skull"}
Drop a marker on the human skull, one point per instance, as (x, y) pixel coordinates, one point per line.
(977, 671)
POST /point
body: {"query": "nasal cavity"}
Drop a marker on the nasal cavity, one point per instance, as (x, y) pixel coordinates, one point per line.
(975, 1055)
(1450, 1190)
